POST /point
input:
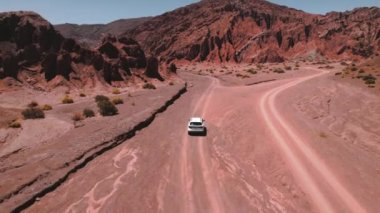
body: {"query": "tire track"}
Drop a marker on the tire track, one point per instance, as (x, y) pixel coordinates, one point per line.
(284, 137)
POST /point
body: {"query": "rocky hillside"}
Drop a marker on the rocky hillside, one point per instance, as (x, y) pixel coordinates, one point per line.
(34, 53)
(258, 31)
(91, 34)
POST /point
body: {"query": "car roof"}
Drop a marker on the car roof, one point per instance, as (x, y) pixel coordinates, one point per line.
(196, 119)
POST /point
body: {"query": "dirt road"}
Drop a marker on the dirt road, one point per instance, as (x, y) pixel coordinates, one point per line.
(253, 159)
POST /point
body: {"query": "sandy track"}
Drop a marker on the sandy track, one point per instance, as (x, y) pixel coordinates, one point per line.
(286, 138)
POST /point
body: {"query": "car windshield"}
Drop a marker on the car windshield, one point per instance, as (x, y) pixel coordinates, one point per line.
(196, 124)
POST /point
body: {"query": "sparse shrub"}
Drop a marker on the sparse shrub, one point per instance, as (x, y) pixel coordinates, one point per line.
(115, 91)
(149, 86)
(369, 79)
(322, 135)
(133, 104)
(77, 116)
(33, 113)
(82, 95)
(288, 67)
(297, 65)
(361, 71)
(279, 70)
(354, 69)
(46, 107)
(88, 113)
(67, 100)
(343, 63)
(171, 83)
(106, 108)
(117, 101)
(252, 71)
(33, 104)
(14, 124)
(100, 98)
(338, 73)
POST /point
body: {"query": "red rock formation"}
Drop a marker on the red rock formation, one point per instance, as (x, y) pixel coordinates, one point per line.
(30, 45)
(257, 31)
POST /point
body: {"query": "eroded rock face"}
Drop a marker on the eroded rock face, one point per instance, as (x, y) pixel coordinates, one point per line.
(109, 50)
(64, 65)
(269, 56)
(10, 66)
(121, 55)
(49, 66)
(152, 68)
(27, 41)
(173, 68)
(239, 30)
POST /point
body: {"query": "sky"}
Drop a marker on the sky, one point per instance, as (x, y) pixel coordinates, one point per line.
(105, 11)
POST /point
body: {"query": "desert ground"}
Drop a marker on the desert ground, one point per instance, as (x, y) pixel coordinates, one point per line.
(306, 140)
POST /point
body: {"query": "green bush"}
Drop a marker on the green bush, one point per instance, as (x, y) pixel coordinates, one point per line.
(106, 108)
(67, 100)
(149, 86)
(117, 101)
(88, 113)
(100, 98)
(33, 113)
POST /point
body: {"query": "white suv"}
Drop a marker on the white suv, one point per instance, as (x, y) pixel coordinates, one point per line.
(196, 125)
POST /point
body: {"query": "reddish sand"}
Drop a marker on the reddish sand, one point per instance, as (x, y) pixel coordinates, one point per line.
(263, 153)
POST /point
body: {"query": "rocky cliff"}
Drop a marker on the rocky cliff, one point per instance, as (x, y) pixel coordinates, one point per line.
(33, 52)
(258, 31)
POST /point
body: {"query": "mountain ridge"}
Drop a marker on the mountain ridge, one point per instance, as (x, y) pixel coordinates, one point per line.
(257, 31)
(91, 34)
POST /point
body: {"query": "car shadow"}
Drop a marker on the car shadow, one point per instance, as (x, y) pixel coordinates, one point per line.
(199, 134)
